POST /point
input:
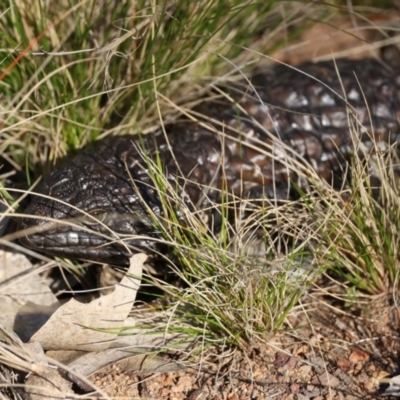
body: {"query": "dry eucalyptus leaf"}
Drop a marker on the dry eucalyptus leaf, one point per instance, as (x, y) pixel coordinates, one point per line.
(138, 363)
(65, 357)
(144, 333)
(93, 326)
(20, 284)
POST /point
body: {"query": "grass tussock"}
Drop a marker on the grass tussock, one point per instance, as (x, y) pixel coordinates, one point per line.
(239, 284)
(72, 74)
(364, 233)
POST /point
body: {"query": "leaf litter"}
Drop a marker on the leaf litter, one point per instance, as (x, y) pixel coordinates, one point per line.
(66, 343)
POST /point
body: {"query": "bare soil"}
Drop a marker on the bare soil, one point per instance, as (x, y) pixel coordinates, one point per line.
(328, 354)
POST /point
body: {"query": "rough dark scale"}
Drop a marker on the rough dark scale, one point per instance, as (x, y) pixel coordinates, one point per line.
(308, 116)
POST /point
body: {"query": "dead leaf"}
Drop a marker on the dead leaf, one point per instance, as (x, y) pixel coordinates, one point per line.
(139, 363)
(93, 326)
(135, 340)
(20, 284)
